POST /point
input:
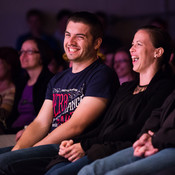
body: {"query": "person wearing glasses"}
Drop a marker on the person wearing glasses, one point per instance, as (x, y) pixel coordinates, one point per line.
(123, 66)
(30, 92)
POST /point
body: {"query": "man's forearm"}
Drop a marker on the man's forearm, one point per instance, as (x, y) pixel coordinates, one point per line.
(63, 132)
(32, 134)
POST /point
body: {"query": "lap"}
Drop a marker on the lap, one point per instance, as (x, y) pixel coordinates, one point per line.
(109, 163)
(28, 160)
(67, 168)
(148, 165)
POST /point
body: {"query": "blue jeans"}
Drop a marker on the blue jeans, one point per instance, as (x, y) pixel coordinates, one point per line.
(68, 168)
(26, 161)
(124, 163)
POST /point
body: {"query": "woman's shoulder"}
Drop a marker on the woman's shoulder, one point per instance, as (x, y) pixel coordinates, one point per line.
(163, 80)
(9, 90)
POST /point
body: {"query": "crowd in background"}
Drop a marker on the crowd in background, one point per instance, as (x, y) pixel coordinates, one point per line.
(26, 70)
(112, 51)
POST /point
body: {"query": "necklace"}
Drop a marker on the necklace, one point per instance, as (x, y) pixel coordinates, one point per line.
(139, 89)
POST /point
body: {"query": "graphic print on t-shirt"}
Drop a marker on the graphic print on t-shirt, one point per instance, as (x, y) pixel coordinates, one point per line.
(65, 101)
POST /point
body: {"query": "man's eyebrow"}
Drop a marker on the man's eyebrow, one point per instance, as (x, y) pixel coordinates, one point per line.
(79, 34)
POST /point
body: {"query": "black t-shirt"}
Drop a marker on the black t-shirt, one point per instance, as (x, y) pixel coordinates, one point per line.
(67, 89)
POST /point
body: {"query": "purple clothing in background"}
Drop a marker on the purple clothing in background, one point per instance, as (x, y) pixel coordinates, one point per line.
(25, 108)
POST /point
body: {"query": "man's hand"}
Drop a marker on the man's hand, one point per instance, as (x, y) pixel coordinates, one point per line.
(19, 134)
(71, 151)
(63, 147)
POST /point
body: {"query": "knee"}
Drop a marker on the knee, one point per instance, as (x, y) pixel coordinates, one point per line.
(85, 171)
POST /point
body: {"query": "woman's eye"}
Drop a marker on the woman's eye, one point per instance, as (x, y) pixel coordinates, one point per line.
(67, 35)
(139, 44)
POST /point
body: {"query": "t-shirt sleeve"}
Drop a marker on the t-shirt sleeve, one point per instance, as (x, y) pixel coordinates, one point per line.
(102, 84)
(49, 94)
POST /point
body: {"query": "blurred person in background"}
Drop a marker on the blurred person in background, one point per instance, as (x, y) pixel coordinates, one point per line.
(109, 59)
(159, 22)
(35, 20)
(61, 18)
(123, 65)
(9, 68)
(35, 55)
(58, 64)
(110, 41)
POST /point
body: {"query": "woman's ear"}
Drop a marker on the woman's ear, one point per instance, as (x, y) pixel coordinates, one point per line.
(158, 52)
(97, 43)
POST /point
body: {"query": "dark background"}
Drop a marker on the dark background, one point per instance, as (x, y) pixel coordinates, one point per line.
(125, 15)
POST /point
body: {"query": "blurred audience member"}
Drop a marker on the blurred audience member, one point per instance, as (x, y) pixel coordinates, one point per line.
(34, 57)
(110, 42)
(123, 65)
(9, 66)
(57, 65)
(159, 22)
(35, 21)
(109, 59)
(61, 17)
(172, 60)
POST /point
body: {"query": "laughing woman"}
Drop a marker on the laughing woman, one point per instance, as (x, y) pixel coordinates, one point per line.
(131, 107)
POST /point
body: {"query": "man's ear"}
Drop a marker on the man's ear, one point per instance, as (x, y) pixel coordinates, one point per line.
(97, 43)
(158, 52)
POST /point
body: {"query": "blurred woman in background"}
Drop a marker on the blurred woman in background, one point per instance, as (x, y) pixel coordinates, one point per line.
(9, 66)
(35, 55)
(123, 65)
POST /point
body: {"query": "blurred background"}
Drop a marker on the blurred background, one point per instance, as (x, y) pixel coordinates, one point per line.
(122, 16)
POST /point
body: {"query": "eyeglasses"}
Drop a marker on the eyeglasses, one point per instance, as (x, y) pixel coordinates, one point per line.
(28, 52)
(121, 61)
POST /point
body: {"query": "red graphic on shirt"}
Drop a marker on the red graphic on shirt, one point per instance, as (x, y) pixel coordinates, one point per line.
(60, 102)
(63, 107)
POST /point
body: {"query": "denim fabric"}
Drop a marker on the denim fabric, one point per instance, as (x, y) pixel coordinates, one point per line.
(68, 168)
(124, 163)
(26, 161)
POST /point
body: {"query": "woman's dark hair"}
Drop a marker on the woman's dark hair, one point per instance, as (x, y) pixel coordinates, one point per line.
(160, 38)
(11, 57)
(89, 19)
(44, 49)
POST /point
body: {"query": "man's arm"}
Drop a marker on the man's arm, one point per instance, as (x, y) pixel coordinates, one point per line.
(86, 113)
(38, 129)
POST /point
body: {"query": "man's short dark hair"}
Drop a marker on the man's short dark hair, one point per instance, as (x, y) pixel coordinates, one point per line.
(89, 19)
